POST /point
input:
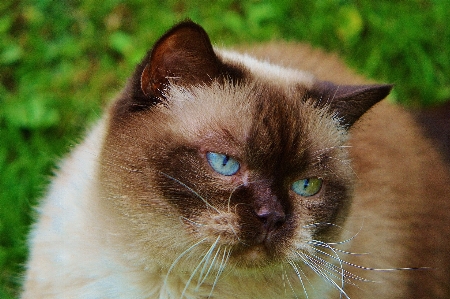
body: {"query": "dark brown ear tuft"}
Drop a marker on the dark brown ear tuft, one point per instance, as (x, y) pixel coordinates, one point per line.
(349, 102)
(184, 55)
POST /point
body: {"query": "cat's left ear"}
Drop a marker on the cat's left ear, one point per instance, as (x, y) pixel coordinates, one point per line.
(349, 102)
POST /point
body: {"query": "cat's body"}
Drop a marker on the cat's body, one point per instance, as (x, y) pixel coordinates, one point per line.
(141, 209)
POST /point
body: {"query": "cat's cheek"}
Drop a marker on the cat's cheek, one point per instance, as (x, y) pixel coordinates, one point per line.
(223, 227)
(302, 234)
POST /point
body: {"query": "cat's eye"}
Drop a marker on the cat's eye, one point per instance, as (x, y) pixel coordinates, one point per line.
(307, 187)
(222, 164)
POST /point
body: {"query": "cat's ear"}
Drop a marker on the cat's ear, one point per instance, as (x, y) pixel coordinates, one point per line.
(184, 56)
(349, 102)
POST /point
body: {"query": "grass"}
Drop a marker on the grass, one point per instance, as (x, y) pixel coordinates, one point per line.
(62, 61)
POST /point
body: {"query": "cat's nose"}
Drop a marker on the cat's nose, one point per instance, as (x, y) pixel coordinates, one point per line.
(272, 218)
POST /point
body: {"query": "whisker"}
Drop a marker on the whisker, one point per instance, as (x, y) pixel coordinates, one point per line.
(335, 225)
(229, 197)
(209, 269)
(190, 221)
(205, 201)
(236, 234)
(317, 224)
(327, 245)
(316, 268)
(329, 269)
(297, 271)
(347, 163)
(369, 268)
(345, 275)
(331, 171)
(229, 211)
(223, 263)
(349, 276)
(202, 261)
(178, 259)
(191, 190)
(334, 95)
(285, 277)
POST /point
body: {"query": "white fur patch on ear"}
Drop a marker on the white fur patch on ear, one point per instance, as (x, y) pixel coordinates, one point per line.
(266, 70)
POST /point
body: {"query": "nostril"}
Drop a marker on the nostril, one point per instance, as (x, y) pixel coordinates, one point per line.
(271, 219)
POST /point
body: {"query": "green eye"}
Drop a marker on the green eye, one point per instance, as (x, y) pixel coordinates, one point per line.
(223, 164)
(307, 187)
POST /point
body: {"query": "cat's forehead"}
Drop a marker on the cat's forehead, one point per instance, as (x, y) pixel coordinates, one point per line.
(212, 113)
(261, 92)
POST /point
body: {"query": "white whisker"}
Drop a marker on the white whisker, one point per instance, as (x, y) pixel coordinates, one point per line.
(202, 261)
(327, 245)
(285, 277)
(178, 259)
(206, 261)
(317, 268)
(297, 271)
(328, 269)
(229, 197)
(223, 263)
(343, 274)
(346, 163)
(191, 190)
(367, 268)
(191, 221)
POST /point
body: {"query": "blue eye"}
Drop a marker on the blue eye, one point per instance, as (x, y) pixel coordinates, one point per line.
(307, 187)
(223, 164)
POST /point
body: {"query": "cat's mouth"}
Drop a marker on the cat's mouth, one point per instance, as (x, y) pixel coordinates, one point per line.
(250, 244)
(263, 248)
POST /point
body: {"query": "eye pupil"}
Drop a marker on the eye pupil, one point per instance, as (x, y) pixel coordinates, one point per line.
(222, 164)
(225, 160)
(307, 187)
(306, 183)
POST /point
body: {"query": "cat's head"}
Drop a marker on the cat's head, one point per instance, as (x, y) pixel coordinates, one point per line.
(212, 150)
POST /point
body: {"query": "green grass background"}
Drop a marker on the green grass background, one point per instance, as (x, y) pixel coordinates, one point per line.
(61, 61)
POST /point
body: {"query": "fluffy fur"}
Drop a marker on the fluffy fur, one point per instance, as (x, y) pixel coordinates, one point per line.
(136, 211)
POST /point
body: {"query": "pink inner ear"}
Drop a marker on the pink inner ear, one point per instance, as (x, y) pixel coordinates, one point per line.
(185, 55)
(145, 81)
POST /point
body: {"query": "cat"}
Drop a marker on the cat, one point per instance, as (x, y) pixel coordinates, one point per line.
(217, 174)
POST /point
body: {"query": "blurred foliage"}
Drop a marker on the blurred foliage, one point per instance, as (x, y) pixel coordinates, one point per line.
(61, 61)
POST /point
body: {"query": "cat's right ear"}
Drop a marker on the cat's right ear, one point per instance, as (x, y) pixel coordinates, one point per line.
(183, 56)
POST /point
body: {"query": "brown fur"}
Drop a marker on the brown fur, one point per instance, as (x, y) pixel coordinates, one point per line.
(157, 204)
(379, 164)
(402, 197)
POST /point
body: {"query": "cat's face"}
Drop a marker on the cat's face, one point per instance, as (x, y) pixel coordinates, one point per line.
(205, 153)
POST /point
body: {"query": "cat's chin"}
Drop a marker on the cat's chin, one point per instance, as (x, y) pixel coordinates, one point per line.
(256, 256)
